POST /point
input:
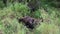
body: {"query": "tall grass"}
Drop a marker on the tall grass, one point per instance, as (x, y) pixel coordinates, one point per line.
(9, 23)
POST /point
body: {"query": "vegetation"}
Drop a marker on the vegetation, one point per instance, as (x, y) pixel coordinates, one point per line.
(50, 12)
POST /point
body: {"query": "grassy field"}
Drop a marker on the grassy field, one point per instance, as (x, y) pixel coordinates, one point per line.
(9, 23)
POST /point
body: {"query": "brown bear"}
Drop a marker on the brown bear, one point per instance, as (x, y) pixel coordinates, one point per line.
(29, 21)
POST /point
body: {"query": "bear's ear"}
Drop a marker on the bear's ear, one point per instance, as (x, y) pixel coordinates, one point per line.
(19, 20)
(32, 20)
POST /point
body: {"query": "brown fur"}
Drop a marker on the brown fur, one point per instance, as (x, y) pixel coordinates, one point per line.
(29, 21)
